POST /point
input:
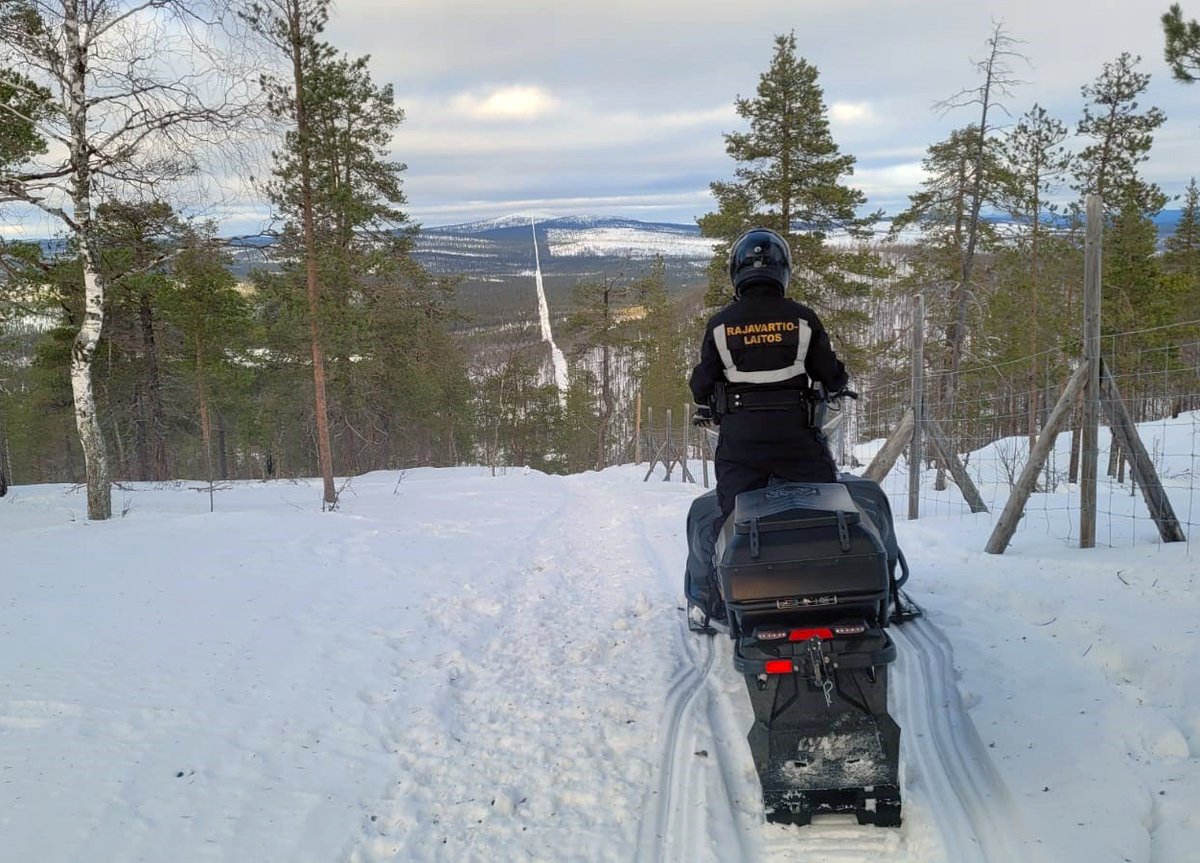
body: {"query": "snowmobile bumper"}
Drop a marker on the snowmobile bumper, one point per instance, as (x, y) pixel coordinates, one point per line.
(822, 739)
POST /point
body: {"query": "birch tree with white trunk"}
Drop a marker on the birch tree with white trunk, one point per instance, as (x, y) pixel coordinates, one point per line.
(135, 95)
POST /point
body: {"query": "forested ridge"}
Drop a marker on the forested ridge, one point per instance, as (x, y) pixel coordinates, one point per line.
(142, 344)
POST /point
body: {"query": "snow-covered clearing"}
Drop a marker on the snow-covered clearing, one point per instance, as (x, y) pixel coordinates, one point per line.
(457, 666)
(634, 243)
(558, 360)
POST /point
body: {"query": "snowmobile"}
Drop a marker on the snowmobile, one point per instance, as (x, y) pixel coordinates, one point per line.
(803, 578)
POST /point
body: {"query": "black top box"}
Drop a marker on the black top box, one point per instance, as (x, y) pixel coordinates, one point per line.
(801, 541)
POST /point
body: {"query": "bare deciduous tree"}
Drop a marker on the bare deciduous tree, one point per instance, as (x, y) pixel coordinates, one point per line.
(131, 94)
(998, 81)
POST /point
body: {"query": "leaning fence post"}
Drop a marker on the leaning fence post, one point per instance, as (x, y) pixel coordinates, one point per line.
(891, 449)
(1141, 468)
(917, 444)
(1006, 525)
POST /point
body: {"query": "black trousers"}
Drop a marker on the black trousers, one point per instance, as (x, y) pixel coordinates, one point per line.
(744, 465)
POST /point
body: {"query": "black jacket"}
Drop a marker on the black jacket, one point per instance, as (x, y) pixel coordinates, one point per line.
(765, 342)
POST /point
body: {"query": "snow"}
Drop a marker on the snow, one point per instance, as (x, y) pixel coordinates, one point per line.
(456, 665)
(557, 358)
(636, 243)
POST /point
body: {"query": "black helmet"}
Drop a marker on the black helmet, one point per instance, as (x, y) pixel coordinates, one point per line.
(760, 254)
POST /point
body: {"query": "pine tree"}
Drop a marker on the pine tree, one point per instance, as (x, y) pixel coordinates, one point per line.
(789, 178)
(596, 322)
(1122, 137)
(580, 417)
(212, 325)
(1183, 246)
(292, 28)
(22, 104)
(136, 240)
(1036, 160)
(1181, 283)
(340, 197)
(410, 387)
(662, 344)
(1181, 258)
(941, 213)
(520, 415)
(997, 81)
(1182, 45)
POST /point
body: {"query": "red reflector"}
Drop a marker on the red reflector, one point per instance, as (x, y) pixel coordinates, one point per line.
(806, 634)
(779, 666)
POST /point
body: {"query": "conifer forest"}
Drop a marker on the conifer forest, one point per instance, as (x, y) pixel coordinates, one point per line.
(139, 341)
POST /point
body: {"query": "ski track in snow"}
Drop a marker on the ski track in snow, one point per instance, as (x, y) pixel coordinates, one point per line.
(668, 814)
(947, 760)
(692, 808)
(957, 808)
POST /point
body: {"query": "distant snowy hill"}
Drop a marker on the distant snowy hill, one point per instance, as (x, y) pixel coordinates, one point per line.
(495, 249)
(576, 245)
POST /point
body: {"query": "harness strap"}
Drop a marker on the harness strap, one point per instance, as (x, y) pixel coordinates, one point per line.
(766, 376)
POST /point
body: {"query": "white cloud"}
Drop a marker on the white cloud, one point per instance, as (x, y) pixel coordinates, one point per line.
(851, 113)
(516, 102)
(888, 184)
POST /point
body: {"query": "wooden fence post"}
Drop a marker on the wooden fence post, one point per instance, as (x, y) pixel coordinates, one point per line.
(667, 461)
(685, 471)
(1092, 273)
(917, 443)
(948, 457)
(637, 432)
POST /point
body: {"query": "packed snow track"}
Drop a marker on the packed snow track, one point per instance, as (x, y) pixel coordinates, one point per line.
(956, 805)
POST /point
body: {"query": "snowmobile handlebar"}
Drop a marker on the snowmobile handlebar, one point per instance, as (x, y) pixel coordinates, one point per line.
(819, 393)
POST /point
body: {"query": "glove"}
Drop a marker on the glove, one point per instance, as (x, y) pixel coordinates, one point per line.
(843, 393)
(703, 417)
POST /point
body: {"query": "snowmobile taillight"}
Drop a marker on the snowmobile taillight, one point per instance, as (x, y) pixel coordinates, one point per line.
(764, 634)
(806, 634)
(849, 628)
(778, 666)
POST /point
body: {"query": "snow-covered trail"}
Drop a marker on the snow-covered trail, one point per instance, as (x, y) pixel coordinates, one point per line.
(541, 735)
(456, 666)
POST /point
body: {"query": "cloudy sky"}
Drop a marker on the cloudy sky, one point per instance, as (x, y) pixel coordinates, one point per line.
(618, 106)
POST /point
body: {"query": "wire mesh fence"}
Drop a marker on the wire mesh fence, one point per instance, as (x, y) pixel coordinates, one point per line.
(672, 448)
(991, 419)
(995, 413)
